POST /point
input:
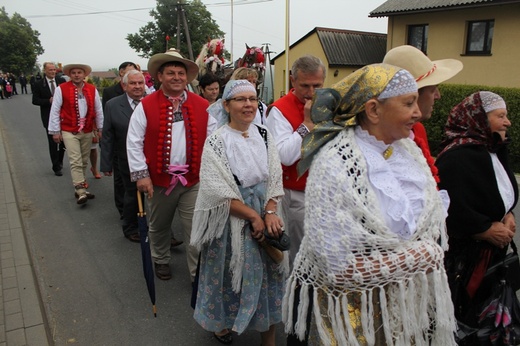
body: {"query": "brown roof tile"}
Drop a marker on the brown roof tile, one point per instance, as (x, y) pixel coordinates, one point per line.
(394, 7)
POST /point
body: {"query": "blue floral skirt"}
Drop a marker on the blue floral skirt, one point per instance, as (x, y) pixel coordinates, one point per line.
(258, 304)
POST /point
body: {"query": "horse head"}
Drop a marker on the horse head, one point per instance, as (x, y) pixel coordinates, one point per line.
(254, 57)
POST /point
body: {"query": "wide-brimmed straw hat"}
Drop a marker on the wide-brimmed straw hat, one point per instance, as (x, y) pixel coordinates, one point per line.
(86, 68)
(425, 71)
(171, 55)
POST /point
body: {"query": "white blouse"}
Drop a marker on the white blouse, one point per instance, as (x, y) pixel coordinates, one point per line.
(504, 184)
(247, 156)
(398, 183)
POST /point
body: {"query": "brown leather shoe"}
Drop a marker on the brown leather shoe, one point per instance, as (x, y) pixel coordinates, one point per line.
(162, 271)
(89, 195)
(176, 242)
(133, 237)
(82, 199)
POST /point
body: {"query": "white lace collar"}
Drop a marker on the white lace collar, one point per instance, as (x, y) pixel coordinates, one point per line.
(398, 182)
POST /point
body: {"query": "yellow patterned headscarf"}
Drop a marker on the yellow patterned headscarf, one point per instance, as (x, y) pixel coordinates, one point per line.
(335, 108)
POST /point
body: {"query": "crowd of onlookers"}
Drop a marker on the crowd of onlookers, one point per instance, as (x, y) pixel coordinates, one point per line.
(8, 83)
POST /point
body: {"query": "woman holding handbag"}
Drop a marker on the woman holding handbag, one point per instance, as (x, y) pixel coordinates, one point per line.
(240, 282)
(473, 168)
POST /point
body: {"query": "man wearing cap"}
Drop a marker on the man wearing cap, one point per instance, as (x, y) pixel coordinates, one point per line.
(166, 166)
(428, 75)
(289, 121)
(76, 107)
(43, 91)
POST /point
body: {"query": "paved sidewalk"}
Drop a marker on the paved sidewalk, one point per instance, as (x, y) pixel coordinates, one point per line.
(21, 314)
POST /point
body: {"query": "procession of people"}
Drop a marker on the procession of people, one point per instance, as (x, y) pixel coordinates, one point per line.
(343, 173)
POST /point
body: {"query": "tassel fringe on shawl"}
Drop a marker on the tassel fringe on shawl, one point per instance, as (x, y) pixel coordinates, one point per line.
(414, 297)
(217, 189)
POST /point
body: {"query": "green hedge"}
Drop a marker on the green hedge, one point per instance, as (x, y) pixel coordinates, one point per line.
(452, 94)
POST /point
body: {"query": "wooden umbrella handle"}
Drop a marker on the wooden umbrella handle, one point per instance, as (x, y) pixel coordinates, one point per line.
(275, 254)
(140, 204)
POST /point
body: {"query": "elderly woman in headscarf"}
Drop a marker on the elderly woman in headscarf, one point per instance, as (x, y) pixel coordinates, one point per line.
(370, 268)
(240, 285)
(473, 167)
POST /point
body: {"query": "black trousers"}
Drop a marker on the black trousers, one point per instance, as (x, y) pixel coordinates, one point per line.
(56, 152)
(130, 208)
(292, 339)
(119, 184)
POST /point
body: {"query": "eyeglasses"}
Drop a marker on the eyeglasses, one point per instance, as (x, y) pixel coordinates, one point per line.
(251, 99)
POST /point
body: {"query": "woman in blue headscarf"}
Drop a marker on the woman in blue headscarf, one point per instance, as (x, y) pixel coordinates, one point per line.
(240, 285)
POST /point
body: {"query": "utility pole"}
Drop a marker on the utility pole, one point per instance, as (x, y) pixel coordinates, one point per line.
(268, 52)
(181, 16)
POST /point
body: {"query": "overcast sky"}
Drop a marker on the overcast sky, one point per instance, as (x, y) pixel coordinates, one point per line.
(99, 39)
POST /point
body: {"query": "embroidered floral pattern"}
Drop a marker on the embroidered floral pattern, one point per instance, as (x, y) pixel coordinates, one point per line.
(135, 176)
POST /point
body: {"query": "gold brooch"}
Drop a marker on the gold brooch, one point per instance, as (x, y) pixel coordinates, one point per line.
(388, 152)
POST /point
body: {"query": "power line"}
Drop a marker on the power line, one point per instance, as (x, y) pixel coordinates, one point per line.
(87, 13)
(238, 3)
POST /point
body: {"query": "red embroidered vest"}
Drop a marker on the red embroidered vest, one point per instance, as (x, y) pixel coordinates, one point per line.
(292, 109)
(69, 112)
(158, 142)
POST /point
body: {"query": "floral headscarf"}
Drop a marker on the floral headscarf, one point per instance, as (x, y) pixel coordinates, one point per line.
(336, 108)
(468, 124)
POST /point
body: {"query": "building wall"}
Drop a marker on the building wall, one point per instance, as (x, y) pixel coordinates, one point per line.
(310, 45)
(447, 39)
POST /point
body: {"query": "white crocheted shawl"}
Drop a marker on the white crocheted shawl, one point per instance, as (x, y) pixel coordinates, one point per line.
(413, 291)
(217, 189)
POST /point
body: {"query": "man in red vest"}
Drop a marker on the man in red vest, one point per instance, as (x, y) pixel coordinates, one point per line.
(76, 107)
(289, 121)
(165, 138)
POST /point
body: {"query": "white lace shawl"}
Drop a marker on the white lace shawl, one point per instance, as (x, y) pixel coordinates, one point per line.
(217, 189)
(414, 293)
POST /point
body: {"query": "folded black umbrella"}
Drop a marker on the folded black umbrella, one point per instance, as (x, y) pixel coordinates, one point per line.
(145, 252)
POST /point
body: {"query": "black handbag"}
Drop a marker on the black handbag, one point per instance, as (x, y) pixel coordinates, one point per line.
(283, 243)
(507, 269)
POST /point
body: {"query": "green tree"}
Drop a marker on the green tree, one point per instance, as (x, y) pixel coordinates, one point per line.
(151, 38)
(20, 45)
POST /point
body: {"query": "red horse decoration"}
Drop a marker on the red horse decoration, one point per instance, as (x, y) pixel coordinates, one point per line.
(254, 57)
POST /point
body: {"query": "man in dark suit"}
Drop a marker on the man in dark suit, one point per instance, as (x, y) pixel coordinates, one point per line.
(113, 146)
(42, 96)
(108, 94)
